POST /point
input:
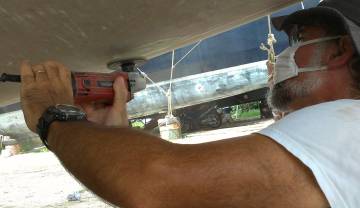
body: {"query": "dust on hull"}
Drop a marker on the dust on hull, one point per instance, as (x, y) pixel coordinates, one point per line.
(86, 34)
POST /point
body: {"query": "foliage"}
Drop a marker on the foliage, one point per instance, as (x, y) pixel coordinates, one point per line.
(245, 111)
(43, 149)
(137, 124)
(26, 146)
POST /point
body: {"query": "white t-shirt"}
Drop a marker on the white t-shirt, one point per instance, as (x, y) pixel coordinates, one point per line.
(326, 138)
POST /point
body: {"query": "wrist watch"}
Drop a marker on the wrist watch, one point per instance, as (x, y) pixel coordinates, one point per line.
(59, 112)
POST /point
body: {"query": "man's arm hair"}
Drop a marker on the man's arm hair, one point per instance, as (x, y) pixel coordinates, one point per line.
(131, 168)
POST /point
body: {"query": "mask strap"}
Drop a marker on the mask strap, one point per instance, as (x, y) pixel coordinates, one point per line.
(314, 68)
(319, 40)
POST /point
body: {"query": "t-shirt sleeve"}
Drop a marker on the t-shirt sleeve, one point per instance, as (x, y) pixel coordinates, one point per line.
(325, 138)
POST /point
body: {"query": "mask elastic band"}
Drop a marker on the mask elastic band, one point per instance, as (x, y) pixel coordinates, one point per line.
(318, 40)
(314, 68)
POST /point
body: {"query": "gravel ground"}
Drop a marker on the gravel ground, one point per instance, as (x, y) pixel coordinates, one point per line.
(39, 180)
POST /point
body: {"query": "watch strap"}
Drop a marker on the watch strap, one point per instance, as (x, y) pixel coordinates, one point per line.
(44, 122)
(48, 117)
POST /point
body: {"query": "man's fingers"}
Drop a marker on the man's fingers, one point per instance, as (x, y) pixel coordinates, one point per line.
(121, 92)
(65, 74)
(27, 75)
(40, 73)
(52, 71)
(60, 79)
(120, 86)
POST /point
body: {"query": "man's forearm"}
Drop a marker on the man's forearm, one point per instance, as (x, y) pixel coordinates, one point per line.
(115, 163)
(134, 169)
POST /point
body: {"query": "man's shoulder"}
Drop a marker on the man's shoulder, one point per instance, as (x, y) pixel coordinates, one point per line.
(340, 106)
(284, 173)
(323, 117)
(324, 137)
(327, 124)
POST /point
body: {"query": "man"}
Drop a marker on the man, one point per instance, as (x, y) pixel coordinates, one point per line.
(307, 159)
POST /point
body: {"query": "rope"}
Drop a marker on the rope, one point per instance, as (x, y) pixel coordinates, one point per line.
(270, 48)
(147, 77)
(170, 85)
(269, 24)
(270, 42)
(169, 93)
(196, 45)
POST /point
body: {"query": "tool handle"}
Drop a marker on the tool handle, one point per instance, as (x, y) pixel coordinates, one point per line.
(10, 78)
(95, 87)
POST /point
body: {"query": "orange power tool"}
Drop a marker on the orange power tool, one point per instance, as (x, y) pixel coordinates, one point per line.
(98, 87)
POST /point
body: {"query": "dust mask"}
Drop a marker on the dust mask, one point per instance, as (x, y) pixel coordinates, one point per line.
(286, 67)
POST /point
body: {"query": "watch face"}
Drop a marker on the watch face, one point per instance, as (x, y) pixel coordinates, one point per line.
(69, 109)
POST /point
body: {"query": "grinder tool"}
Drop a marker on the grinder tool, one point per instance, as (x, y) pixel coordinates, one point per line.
(98, 87)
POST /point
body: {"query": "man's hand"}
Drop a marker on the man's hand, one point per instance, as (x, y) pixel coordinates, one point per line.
(114, 115)
(43, 85)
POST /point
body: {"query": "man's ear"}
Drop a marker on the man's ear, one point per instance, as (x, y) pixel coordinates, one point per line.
(343, 55)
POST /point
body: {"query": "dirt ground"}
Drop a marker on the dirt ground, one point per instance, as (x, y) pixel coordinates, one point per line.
(39, 180)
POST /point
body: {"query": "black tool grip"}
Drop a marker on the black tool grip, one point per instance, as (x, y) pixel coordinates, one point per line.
(10, 78)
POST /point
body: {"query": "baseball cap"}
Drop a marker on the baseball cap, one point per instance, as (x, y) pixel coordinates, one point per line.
(344, 12)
